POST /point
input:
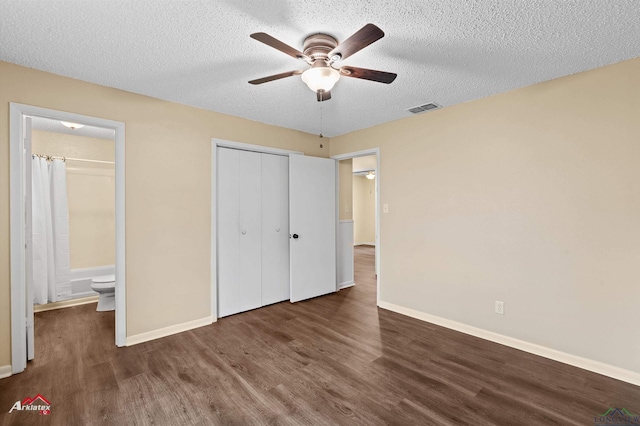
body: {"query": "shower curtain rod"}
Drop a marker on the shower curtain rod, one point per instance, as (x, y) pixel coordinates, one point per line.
(49, 157)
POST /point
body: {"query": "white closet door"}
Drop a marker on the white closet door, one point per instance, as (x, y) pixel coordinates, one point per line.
(251, 229)
(312, 210)
(275, 228)
(239, 231)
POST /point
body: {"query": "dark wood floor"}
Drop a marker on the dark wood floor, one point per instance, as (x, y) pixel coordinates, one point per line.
(333, 360)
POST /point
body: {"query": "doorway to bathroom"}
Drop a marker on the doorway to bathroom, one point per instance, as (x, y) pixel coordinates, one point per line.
(67, 218)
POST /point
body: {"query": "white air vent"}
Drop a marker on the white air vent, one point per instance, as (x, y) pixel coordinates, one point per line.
(423, 108)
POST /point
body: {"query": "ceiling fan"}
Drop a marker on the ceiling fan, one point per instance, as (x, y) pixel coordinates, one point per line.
(321, 51)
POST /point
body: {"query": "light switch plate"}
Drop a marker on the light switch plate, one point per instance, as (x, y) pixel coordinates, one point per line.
(385, 208)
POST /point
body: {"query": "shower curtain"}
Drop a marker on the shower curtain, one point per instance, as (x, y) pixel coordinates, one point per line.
(50, 231)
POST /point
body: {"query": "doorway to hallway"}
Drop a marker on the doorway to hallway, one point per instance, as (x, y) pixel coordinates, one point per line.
(348, 246)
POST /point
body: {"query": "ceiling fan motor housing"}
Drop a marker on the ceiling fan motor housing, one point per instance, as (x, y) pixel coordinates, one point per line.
(318, 46)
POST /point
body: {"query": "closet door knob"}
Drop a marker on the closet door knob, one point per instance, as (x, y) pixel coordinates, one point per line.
(278, 229)
(295, 236)
(244, 231)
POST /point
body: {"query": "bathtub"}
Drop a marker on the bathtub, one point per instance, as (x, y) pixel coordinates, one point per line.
(81, 280)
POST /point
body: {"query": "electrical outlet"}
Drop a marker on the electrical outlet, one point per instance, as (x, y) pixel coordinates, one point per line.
(499, 307)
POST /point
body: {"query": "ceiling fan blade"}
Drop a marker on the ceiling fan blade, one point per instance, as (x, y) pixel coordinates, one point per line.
(275, 77)
(367, 74)
(323, 95)
(277, 44)
(358, 41)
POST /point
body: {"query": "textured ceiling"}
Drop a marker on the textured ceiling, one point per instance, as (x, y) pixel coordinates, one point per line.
(199, 52)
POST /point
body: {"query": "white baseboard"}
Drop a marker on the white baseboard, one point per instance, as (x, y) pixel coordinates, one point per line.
(346, 284)
(360, 243)
(574, 360)
(168, 331)
(65, 304)
(5, 371)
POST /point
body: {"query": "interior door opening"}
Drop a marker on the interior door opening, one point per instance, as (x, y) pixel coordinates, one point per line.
(50, 154)
(358, 200)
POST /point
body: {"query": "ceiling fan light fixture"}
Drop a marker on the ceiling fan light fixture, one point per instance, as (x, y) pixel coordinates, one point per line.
(320, 77)
(72, 126)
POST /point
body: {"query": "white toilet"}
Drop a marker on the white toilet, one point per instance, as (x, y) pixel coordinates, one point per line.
(105, 286)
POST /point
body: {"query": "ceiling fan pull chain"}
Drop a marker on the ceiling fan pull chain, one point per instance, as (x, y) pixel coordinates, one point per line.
(321, 120)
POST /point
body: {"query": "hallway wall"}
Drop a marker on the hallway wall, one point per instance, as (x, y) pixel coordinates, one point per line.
(364, 210)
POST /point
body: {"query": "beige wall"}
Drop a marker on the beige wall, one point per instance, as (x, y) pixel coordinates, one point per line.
(91, 193)
(365, 164)
(531, 197)
(364, 210)
(345, 196)
(168, 190)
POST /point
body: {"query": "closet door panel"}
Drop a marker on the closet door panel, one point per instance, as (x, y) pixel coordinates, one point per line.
(275, 228)
(284, 271)
(312, 217)
(228, 225)
(250, 230)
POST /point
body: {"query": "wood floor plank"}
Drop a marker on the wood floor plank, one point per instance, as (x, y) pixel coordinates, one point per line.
(336, 359)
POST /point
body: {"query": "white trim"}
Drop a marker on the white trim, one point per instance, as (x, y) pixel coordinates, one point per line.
(344, 252)
(346, 221)
(214, 234)
(17, 235)
(574, 360)
(65, 304)
(17, 220)
(5, 371)
(250, 147)
(121, 296)
(215, 143)
(338, 241)
(378, 258)
(168, 331)
(360, 243)
(346, 285)
(363, 153)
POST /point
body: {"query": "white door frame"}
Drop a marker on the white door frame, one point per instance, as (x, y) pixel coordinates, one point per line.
(221, 143)
(364, 153)
(17, 222)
